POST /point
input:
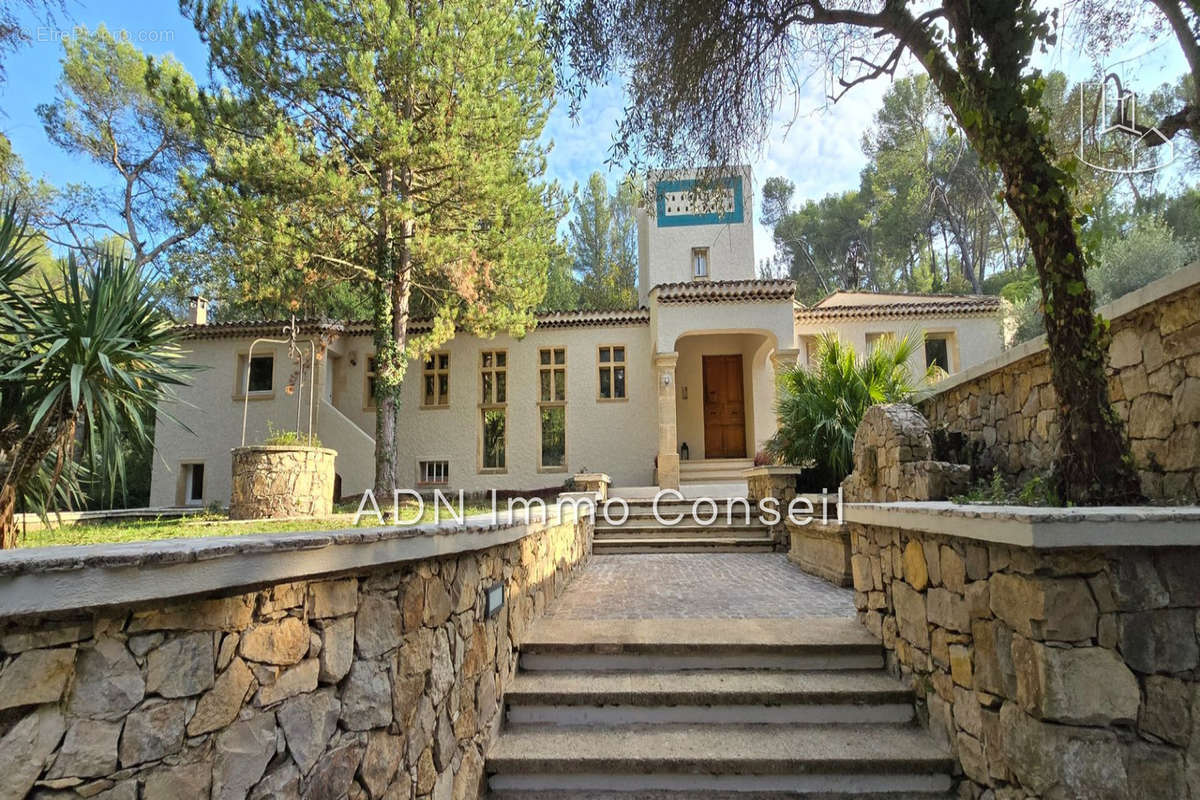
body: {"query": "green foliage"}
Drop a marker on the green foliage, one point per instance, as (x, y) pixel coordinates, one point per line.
(1037, 491)
(134, 115)
(825, 246)
(282, 437)
(820, 407)
(1150, 250)
(562, 287)
(603, 243)
(85, 359)
(395, 148)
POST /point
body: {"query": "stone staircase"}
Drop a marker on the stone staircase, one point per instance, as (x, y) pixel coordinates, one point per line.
(641, 532)
(653, 709)
(714, 470)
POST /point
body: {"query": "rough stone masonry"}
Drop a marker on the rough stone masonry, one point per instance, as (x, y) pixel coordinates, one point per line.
(380, 684)
(1011, 413)
(1049, 673)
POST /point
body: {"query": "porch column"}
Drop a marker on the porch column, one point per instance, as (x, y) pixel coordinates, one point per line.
(668, 436)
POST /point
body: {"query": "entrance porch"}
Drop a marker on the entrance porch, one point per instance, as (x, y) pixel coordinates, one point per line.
(715, 406)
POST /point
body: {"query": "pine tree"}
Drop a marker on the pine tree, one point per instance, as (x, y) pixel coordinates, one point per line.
(603, 242)
(393, 146)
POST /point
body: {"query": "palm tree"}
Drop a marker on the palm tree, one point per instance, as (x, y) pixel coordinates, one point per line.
(82, 357)
(819, 407)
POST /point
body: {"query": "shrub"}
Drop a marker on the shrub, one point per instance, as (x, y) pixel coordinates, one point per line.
(282, 437)
(820, 407)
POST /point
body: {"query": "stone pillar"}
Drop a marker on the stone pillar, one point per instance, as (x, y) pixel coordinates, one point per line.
(594, 482)
(668, 435)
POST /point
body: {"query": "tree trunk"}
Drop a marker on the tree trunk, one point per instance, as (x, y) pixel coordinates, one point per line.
(391, 334)
(387, 389)
(1094, 465)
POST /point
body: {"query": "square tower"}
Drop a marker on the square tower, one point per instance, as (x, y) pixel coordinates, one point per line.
(698, 225)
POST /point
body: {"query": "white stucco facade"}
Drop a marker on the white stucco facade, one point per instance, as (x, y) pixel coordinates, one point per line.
(686, 321)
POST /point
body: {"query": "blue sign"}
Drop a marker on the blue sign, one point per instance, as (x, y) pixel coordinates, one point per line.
(668, 219)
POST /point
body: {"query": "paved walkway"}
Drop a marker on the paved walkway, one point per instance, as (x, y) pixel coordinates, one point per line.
(699, 586)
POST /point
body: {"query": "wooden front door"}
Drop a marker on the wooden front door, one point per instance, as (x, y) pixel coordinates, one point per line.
(724, 408)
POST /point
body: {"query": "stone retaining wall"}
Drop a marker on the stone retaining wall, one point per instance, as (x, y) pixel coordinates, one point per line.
(380, 683)
(1049, 674)
(822, 550)
(278, 481)
(1009, 410)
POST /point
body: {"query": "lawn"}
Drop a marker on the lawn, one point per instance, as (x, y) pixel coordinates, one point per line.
(210, 525)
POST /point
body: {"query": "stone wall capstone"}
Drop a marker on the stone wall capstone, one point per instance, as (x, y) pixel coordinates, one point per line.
(1048, 674)
(271, 481)
(1010, 414)
(384, 683)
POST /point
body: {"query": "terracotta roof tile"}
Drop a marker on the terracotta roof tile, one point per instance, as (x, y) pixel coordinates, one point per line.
(274, 328)
(751, 291)
(919, 305)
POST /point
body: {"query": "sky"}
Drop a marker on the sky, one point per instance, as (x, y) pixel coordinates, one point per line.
(814, 143)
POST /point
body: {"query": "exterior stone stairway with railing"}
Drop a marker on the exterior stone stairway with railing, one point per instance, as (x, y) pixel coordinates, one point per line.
(655, 709)
(642, 532)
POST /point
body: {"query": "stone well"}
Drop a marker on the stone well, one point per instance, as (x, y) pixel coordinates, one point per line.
(271, 481)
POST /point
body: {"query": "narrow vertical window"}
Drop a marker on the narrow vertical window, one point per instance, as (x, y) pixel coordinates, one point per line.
(937, 352)
(193, 484)
(493, 409)
(369, 383)
(699, 262)
(552, 408)
(435, 380)
(612, 373)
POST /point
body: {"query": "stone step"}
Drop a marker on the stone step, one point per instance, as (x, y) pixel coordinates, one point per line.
(814, 759)
(815, 643)
(714, 465)
(631, 531)
(731, 544)
(712, 697)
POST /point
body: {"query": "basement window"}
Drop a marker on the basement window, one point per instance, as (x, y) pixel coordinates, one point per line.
(433, 473)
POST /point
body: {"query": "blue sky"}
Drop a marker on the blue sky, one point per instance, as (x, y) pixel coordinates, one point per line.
(815, 144)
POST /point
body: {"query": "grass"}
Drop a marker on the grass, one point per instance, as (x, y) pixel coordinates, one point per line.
(210, 525)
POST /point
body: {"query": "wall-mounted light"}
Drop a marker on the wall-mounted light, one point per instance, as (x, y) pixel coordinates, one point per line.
(666, 379)
(353, 356)
(493, 599)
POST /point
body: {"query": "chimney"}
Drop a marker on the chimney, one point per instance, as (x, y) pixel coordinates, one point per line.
(197, 310)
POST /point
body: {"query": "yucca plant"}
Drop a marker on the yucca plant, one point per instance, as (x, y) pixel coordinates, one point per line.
(82, 356)
(820, 406)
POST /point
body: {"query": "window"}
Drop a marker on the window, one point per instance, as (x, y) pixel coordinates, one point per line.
(435, 378)
(493, 412)
(937, 351)
(260, 372)
(878, 338)
(493, 366)
(612, 373)
(433, 472)
(552, 364)
(369, 384)
(193, 492)
(552, 409)
(699, 262)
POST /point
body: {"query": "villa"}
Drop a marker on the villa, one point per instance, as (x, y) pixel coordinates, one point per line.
(677, 391)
